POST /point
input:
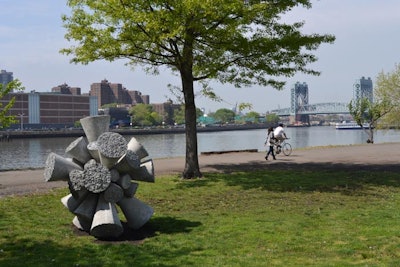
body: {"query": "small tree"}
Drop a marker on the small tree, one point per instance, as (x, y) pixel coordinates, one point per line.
(272, 118)
(364, 111)
(144, 115)
(5, 119)
(179, 115)
(224, 115)
(253, 116)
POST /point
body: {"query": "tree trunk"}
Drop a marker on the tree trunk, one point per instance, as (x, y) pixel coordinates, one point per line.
(370, 133)
(192, 169)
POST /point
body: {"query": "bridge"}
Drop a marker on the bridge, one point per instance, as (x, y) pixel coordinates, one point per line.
(314, 109)
(300, 109)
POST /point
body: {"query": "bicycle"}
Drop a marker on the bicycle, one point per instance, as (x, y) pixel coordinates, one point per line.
(284, 147)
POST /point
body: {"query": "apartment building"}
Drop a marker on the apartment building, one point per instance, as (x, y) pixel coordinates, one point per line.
(108, 93)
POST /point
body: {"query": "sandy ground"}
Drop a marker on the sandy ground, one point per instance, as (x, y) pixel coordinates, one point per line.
(377, 157)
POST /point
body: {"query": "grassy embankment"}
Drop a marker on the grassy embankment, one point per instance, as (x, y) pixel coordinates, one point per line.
(276, 218)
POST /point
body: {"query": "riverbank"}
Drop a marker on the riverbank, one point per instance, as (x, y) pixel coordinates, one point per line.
(376, 157)
(8, 135)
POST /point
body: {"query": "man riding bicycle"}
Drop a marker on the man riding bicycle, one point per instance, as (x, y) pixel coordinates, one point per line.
(279, 135)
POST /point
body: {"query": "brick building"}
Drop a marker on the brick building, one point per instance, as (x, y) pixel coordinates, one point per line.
(108, 93)
(166, 110)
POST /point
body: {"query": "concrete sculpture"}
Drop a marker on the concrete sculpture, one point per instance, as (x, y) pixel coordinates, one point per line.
(99, 169)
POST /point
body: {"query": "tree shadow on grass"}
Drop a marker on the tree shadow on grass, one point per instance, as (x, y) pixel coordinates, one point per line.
(288, 176)
(30, 252)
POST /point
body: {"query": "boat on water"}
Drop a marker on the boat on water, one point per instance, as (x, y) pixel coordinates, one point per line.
(352, 125)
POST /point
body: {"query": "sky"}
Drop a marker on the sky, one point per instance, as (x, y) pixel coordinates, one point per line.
(367, 42)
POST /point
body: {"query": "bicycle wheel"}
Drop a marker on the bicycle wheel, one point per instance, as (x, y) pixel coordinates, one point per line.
(286, 149)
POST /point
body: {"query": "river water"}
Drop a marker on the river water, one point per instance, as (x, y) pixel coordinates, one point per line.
(32, 153)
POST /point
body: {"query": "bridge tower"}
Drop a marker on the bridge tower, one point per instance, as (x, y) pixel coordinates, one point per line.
(299, 102)
(362, 88)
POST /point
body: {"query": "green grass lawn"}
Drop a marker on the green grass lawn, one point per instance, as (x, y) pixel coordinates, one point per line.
(276, 218)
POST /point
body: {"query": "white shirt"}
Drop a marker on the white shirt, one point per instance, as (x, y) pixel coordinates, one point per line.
(279, 131)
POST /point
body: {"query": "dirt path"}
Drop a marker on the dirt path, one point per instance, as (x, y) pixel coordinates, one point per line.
(377, 157)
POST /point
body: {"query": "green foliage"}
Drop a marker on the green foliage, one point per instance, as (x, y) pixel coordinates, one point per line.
(179, 115)
(77, 124)
(283, 218)
(5, 119)
(387, 89)
(243, 106)
(224, 115)
(252, 116)
(272, 118)
(144, 115)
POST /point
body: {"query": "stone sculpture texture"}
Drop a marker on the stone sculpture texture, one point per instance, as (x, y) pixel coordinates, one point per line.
(100, 170)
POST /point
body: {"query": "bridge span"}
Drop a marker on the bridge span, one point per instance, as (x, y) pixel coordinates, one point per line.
(314, 109)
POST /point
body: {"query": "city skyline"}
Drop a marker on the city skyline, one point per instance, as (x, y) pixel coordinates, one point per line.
(366, 43)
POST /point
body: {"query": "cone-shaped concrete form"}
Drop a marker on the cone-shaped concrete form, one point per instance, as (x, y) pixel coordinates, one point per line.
(144, 173)
(106, 223)
(87, 207)
(114, 175)
(94, 126)
(128, 162)
(93, 150)
(82, 224)
(137, 148)
(124, 181)
(78, 150)
(113, 193)
(112, 146)
(57, 168)
(70, 202)
(136, 212)
(131, 191)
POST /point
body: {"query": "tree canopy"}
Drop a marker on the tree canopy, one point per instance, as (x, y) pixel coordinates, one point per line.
(231, 41)
(252, 116)
(224, 115)
(144, 115)
(387, 89)
(6, 119)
